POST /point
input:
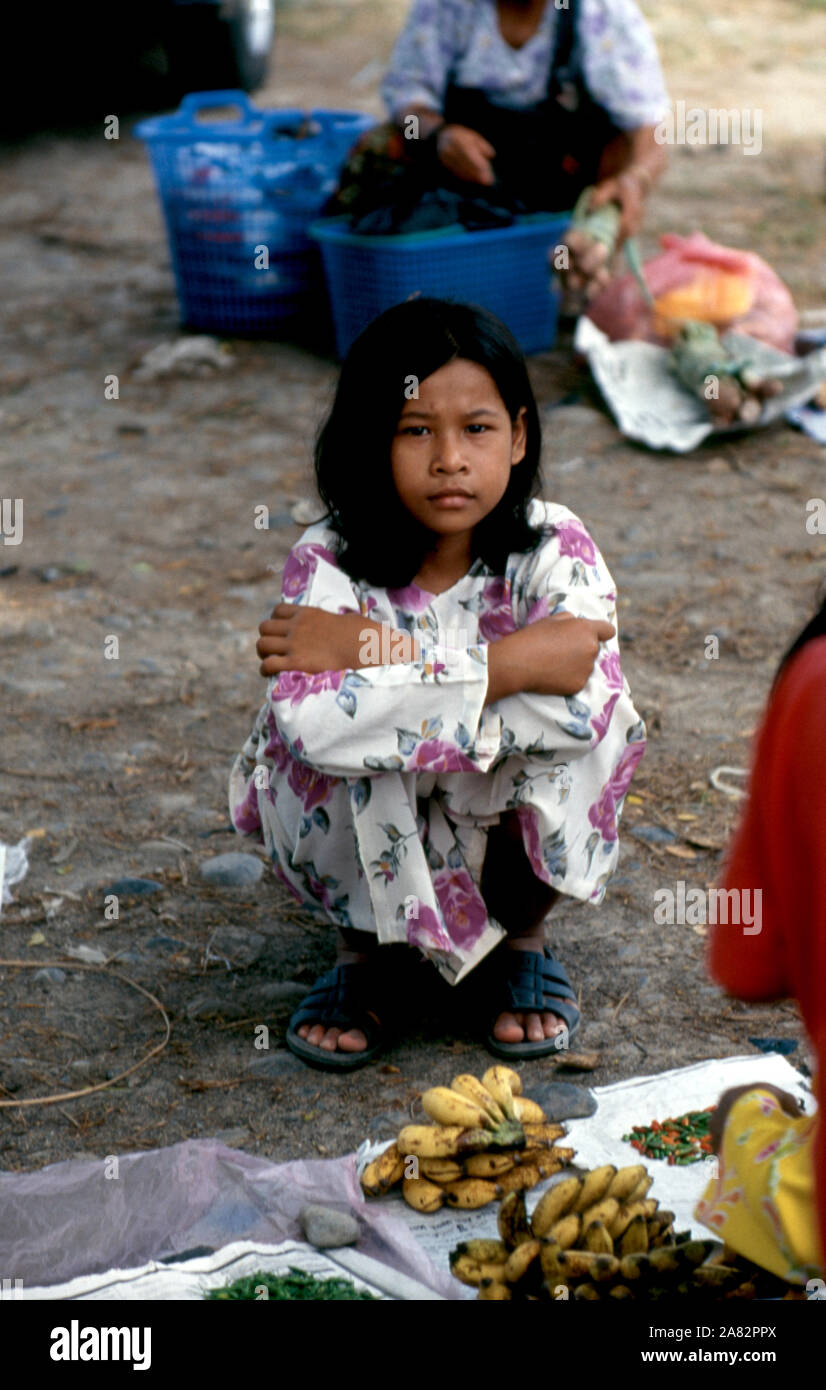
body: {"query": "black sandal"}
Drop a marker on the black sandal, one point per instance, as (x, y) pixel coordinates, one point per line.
(528, 982)
(338, 1000)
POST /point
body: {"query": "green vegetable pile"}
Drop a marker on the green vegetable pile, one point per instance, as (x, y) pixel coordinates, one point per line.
(295, 1285)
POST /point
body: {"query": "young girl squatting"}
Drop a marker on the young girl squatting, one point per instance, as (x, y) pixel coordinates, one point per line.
(448, 738)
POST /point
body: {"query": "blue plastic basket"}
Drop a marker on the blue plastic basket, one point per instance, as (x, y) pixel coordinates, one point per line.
(230, 188)
(505, 270)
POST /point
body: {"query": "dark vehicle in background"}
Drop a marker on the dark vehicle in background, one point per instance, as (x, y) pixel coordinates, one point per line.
(223, 44)
(78, 57)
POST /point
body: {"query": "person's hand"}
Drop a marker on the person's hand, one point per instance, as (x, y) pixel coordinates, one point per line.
(298, 638)
(565, 651)
(561, 652)
(466, 153)
(788, 1103)
(589, 269)
(626, 190)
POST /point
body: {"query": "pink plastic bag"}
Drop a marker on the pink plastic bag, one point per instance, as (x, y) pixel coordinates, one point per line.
(706, 273)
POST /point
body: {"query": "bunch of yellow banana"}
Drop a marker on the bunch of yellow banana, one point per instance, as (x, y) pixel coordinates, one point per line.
(598, 1236)
(486, 1140)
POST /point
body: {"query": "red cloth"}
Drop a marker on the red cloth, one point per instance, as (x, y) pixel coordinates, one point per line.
(780, 847)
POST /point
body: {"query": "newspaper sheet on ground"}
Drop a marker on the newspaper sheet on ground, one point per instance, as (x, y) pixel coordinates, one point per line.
(598, 1139)
(651, 405)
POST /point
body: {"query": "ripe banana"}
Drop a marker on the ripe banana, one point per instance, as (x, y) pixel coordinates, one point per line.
(487, 1165)
(596, 1238)
(533, 1155)
(624, 1217)
(497, 1082)
(641, 1190)
(554, 1204)
(567, 1231)
(634, 1238)
(384, 1172)
(470, 1193)
(440, 1169)
(441, 1141)
(447, 1107)
(519, 1179)
(469, 1086)
(542, 1136)
(472, 1272)
(624, 1182)
(548, 1164)
(620, 1291)
(666, 1260)
(595, 1186)
(714, 1276)
(634, 1267)
(695, 1251)
(528, 1111)
(586, 1292)
(587, 1264)
(484, 1251)
(493, 1290)
(520, 1259)
(421, 1194)
(605, 1211)
(549, 1256)
(512, 1220)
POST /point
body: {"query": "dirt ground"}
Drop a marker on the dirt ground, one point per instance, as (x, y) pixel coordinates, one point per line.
(138, 522)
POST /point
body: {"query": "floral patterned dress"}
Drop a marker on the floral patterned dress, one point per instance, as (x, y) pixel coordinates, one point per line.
(373, 789)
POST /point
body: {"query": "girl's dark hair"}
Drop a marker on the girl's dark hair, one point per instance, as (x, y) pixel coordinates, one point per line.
(816, 627)
(378, 539)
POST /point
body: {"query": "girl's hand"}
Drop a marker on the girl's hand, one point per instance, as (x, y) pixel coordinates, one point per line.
(563, 651)
(554, 656)
(311, 640)
(466, 153)
(788, 1103)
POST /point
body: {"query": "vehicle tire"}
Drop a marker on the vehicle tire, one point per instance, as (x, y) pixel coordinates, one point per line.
(220, 46)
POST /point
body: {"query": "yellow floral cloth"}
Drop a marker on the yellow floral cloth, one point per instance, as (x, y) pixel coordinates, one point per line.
(762, 1203)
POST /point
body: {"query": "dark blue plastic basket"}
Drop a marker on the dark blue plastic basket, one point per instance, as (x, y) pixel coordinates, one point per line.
(506, 270)
(228, 188)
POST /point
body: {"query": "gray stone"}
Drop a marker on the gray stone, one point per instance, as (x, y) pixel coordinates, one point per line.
(563, 1101)
(50, 975)
(133, 887)
(232, 870)
(327, 1227)
(240, 946)
(277, 1064)
(210, 1006)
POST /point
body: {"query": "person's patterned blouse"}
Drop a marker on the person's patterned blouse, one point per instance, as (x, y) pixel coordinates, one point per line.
(460, 40)
(372, 789)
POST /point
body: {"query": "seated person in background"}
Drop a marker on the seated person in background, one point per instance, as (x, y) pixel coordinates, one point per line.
(519, 105)
(769, 1201)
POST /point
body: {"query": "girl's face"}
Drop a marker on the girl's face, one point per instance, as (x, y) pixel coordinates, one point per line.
(454, 449)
